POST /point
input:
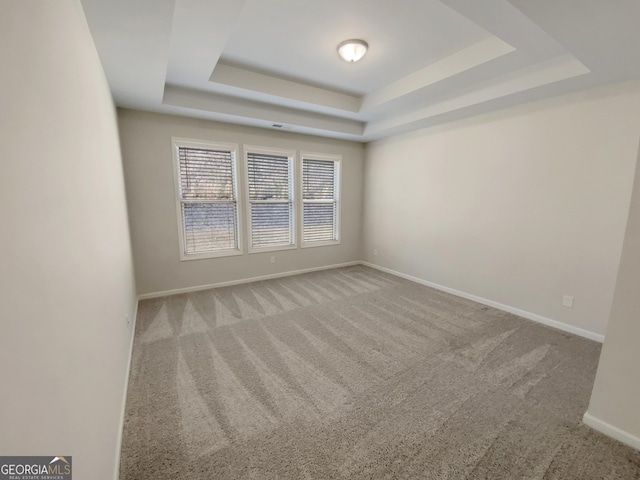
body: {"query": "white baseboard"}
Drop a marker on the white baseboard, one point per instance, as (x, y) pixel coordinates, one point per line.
(588, 419)
(197, 288)
(506, 308)
(124, 394)
(611, 431)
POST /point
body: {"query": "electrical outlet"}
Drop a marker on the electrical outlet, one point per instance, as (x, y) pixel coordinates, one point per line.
(273, 259)
(567, 301)
(375, 251)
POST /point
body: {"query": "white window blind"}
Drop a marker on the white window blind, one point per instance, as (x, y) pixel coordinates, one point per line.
(320, 200)
(208, 199)
(270, 189)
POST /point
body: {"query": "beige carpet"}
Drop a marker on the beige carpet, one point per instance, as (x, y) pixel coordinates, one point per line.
(354, 374)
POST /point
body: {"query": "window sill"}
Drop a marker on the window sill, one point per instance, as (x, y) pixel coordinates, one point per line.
(326, 243)
(271, 249)
(204, 256)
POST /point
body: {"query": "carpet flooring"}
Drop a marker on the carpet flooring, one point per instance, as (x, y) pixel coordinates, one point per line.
(356, 374)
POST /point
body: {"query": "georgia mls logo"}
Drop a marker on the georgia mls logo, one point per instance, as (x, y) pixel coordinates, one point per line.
(35, 468)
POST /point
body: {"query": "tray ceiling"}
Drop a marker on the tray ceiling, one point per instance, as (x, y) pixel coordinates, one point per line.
(274, 62)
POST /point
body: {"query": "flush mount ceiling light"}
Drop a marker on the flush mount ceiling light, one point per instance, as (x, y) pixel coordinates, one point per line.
(352, 50)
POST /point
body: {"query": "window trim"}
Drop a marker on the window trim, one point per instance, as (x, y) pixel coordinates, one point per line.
(176, 143)
(338, 194)
(291, 154)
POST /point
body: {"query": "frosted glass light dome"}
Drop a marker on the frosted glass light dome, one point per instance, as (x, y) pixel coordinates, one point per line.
(352, 50)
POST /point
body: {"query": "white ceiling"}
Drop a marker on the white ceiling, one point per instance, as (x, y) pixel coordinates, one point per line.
(266, 62)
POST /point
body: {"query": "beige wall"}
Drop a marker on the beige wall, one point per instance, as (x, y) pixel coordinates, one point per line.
(615, 402)
(148, 165)
(519, 207)
(66, 280)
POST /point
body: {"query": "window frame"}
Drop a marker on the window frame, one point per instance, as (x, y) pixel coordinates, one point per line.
(176, 144)
(291, 154)
(337, 159)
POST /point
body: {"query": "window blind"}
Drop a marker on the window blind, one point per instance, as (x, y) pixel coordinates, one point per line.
(270, 185)
(320, 200)
(208, 199)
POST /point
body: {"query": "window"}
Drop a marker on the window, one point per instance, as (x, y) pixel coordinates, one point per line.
(270, 194)
(278, 194)
(207, 199)
(320, 194)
